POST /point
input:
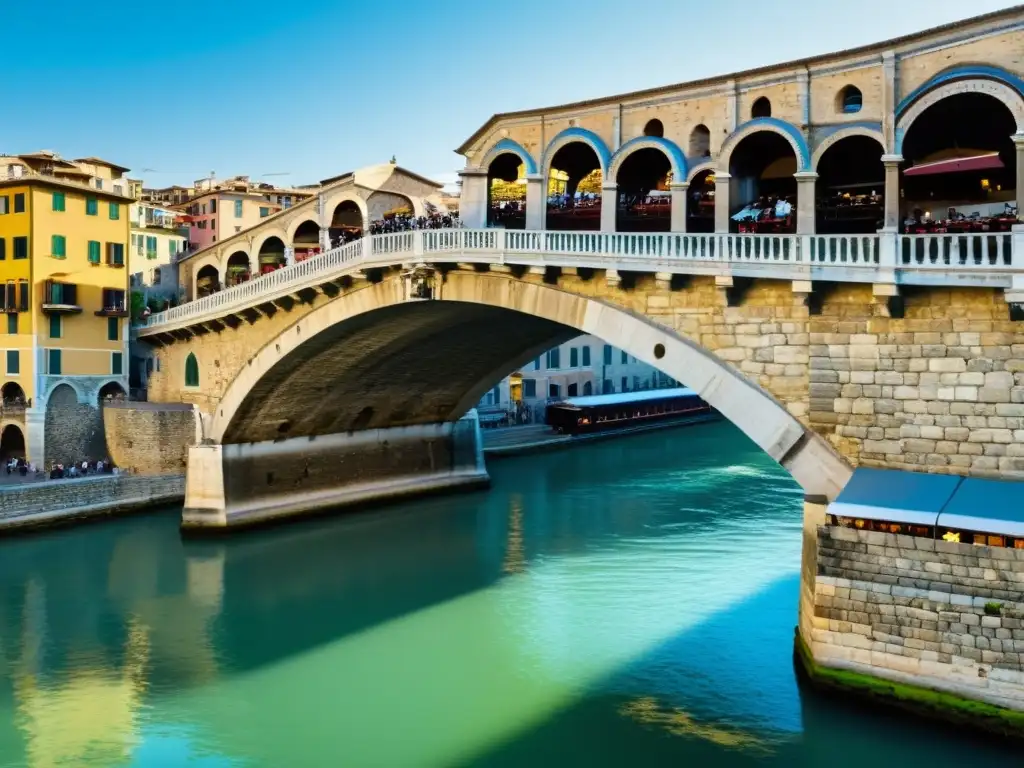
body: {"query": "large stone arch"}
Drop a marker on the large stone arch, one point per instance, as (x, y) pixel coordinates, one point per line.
(772, 125)
(818, 469)
(675, 155)
(1005, 88)
(836, 136)
(74, 425)
(570, 135)
(508, 146)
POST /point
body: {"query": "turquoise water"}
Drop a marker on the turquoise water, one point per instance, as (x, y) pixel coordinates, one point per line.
(624, 603)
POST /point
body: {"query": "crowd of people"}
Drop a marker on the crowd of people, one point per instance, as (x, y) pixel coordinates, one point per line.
(408, 222)
(60, 471)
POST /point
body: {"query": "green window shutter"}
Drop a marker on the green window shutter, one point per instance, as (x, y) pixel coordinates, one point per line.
(238, 209)
(92, 206)
(94, 252)
(113, 328)
(191, 371)
(53, 359)
(114, 211)
(21, 247)
(3, 249)
(13, 361)
(58, 246)
(54, 326)
(58, 201)
(116, 363)
(19, 202)
(586, 356)
(12, 324)
(574, 357)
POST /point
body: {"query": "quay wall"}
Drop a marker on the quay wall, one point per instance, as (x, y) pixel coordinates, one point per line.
(57, 501)
(940, 615)
(150, 438)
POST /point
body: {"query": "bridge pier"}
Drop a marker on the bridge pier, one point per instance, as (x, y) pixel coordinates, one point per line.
(235, 485)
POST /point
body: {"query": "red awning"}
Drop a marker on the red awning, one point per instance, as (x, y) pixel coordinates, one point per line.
(987, 162)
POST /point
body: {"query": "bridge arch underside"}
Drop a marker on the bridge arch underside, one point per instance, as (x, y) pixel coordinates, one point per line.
(371, 360)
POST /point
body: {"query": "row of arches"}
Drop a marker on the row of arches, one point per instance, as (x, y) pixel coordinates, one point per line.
(761, 161)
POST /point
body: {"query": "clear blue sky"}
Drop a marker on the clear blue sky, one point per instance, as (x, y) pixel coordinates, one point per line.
(318, 87)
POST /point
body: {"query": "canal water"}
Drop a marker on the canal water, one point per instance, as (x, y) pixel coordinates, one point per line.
(624, 603)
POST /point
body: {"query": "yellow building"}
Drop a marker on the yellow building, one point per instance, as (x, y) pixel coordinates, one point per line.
(63, 251)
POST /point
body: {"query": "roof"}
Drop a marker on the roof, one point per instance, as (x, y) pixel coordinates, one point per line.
(626, 397)
(100, 161)
(722, 79)
(38, 179)
(993, 506)
(987, 162)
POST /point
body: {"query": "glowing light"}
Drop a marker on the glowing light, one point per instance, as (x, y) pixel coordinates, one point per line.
(951, 536)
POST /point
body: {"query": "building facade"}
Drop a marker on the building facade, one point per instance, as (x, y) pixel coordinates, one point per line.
(158, 236)
(63, 257)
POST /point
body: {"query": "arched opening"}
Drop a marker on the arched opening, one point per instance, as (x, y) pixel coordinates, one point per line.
(346, 223)
(643, 201)
(654, 128)
(390, 212)
(12, 443)
(12, 395)
(191, 370)
(850, 191)
(238, 268)
(111, 392)
(207, 281)
(700, 142)
(700, 207)
(574, 189)
(506, 192)
(960, 167)
(588, 388)
(762, 108)
(850, 100)
(306, 241)
(79, 424)
(271, 255)
(763, 191)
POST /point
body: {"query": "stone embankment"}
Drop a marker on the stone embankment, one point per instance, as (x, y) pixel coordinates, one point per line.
(58, 501)
(940, 615)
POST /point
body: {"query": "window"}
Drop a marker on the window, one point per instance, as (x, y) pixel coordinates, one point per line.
(113, 328)
(573, 390)
(54, 326)
(114, 211)
(536, 364)
(553, 358)
(150, 247)
(554, 390)
(191, 371)
(264, 212)
(13, 362)
(115, 254)
(116, 363)
(58, 201)
(238, 209)
(12, 324)
(23, 293)
(19, 202)
(113, 300)
(5, 204)
(3, 249)
(850, 100)
(21, 247)
(172, 248)
(496, 394)
(94, 252)
(99, 183)
(213, 206)
(203, 209)
(53, 362)
(607, 354)
(625, 358)
(586, 356)
(10, 296)
(213, 223)
(625, 384)
(529, 388)
(574, 357)
(762, 108)
(60, 293)
(238, 229)
(606, 387)
(92, 206)
(58, 246)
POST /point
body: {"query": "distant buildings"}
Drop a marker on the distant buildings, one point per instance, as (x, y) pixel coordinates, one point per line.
(158, 236)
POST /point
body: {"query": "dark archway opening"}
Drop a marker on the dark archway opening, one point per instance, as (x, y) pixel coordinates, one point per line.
(850, 190)
(111, 391)
(700, 142)
(762, 108)
(960, 166)
(643, 200)
(346, 223)
(12, 396)
(238, 268)
(306, 241)
(12, 443)
(762, 194)
(850, 100)
(506, 192)
(207, 281)
(271, 255)
(574, 189)
(654, 128)
(700, 207)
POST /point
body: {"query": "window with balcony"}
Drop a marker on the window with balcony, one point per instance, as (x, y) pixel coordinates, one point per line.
(238, 209)
(113, 303)
(115, 254)
(58, 246)
(92, 206)
(13, 362)
(23, 294)
(20, 247)
(60, 297)
(114, 211)
(19, 202)
(58, 201)
(10, 296)
(53, 362)
(94, 251)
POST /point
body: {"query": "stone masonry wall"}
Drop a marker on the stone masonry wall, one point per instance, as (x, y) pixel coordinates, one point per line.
(914, 609)
(53, 501)
(150, 438)
(74, 431)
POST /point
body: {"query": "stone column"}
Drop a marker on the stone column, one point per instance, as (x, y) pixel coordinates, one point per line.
(609, 206)
(536, 202)
(814, 515)
(891, 222)
(35, 435)
(1018, 140)
(325, 239)
(473, 199)
(678, 192)
(889, 100)
(805, 214)
(722, 202)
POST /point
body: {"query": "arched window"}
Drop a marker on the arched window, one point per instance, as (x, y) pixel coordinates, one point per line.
(191, 371)
(654, 128)
(700, 142)
(762, 108)
(850, 100)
